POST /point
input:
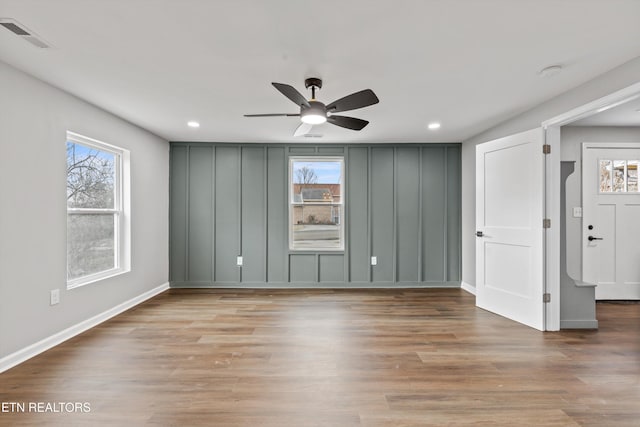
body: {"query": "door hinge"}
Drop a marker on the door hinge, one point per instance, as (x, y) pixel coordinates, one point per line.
(546, 149)
(546, 223)
(546, 297)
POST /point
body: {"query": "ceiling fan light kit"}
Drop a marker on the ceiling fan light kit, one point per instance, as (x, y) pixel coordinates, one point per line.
(314, 115)
(313, 112)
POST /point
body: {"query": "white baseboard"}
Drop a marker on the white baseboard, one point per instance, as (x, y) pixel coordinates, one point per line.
(41, 346)
(467, 287)
(312, 285)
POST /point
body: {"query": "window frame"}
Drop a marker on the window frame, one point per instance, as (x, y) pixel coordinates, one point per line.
(120, 211)
(342, 203)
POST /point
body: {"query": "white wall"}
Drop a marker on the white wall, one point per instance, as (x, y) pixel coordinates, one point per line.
(34, 118)
(571, 146)
(614, 80)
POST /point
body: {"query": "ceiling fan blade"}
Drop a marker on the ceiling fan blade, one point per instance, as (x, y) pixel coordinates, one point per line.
(361, 99)
(291, 93)
(272, 115)
(303, 129)
(347, 122)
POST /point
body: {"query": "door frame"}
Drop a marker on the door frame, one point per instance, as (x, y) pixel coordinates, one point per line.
(551, 129)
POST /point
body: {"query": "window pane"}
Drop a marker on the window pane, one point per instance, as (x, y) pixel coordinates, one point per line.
(90, 244)
(618, 176)
(316, 197)
(90, 177)
(632, 175)
(317, 227)
(605, 176)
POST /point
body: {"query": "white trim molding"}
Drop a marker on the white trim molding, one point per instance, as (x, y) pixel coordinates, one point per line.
(41, 346)
(612, 100)
(467, 287)
(313, 285)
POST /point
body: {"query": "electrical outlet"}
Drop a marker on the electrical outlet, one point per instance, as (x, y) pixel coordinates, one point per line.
(239, 261)
(577, 212)
(374, 260)
(55, 297)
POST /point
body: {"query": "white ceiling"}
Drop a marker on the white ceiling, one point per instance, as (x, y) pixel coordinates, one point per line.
(469, 64)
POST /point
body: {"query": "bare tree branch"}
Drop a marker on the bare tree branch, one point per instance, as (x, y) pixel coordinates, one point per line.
(90, 179)
(306, 175)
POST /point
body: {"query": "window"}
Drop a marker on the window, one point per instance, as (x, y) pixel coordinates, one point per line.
(97, 245)
(316, 208)
(618, 176)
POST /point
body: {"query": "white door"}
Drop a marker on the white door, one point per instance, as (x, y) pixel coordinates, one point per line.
(611, 220)
(509, 221)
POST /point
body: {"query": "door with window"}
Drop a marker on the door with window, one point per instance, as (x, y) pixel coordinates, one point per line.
(611, 219)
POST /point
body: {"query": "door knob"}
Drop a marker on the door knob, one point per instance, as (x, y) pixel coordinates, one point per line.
(479, 233)
(591, 238)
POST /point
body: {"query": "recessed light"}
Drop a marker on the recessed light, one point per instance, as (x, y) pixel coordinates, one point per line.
(193, 124)
(549, 71)
(434, 126)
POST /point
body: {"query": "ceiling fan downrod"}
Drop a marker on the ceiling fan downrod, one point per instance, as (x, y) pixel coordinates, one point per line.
(313, 83)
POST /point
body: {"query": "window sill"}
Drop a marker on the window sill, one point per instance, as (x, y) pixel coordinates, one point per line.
(86, 280)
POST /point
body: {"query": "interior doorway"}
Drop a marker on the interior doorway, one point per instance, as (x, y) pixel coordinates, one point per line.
(613, 115)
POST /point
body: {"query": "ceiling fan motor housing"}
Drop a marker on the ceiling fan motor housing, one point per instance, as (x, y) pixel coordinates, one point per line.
(315, 114)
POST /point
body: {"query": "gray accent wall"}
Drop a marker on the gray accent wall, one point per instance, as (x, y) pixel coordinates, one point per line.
(402, 205)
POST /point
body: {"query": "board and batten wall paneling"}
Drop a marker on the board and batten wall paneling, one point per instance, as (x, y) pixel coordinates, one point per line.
(408, 212)
(402, 205)
(453, 182)
(277, 216)
(200, 225)
(357, 207)
(303, 268)
(331, 268)
(178, 188)
(382, 209)
(434, 218)
(227, 214)
(254, 199)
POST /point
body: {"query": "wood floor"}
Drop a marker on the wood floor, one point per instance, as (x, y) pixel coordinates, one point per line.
(334, 358)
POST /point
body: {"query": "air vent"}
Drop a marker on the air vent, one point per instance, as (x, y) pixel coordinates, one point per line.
(14, 28)
(313, 135)
(20, 30)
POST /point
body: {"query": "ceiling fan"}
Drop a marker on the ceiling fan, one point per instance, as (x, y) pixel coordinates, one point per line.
(313, 112)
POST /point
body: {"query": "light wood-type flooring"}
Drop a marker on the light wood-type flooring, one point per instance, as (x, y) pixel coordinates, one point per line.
(301, 358)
